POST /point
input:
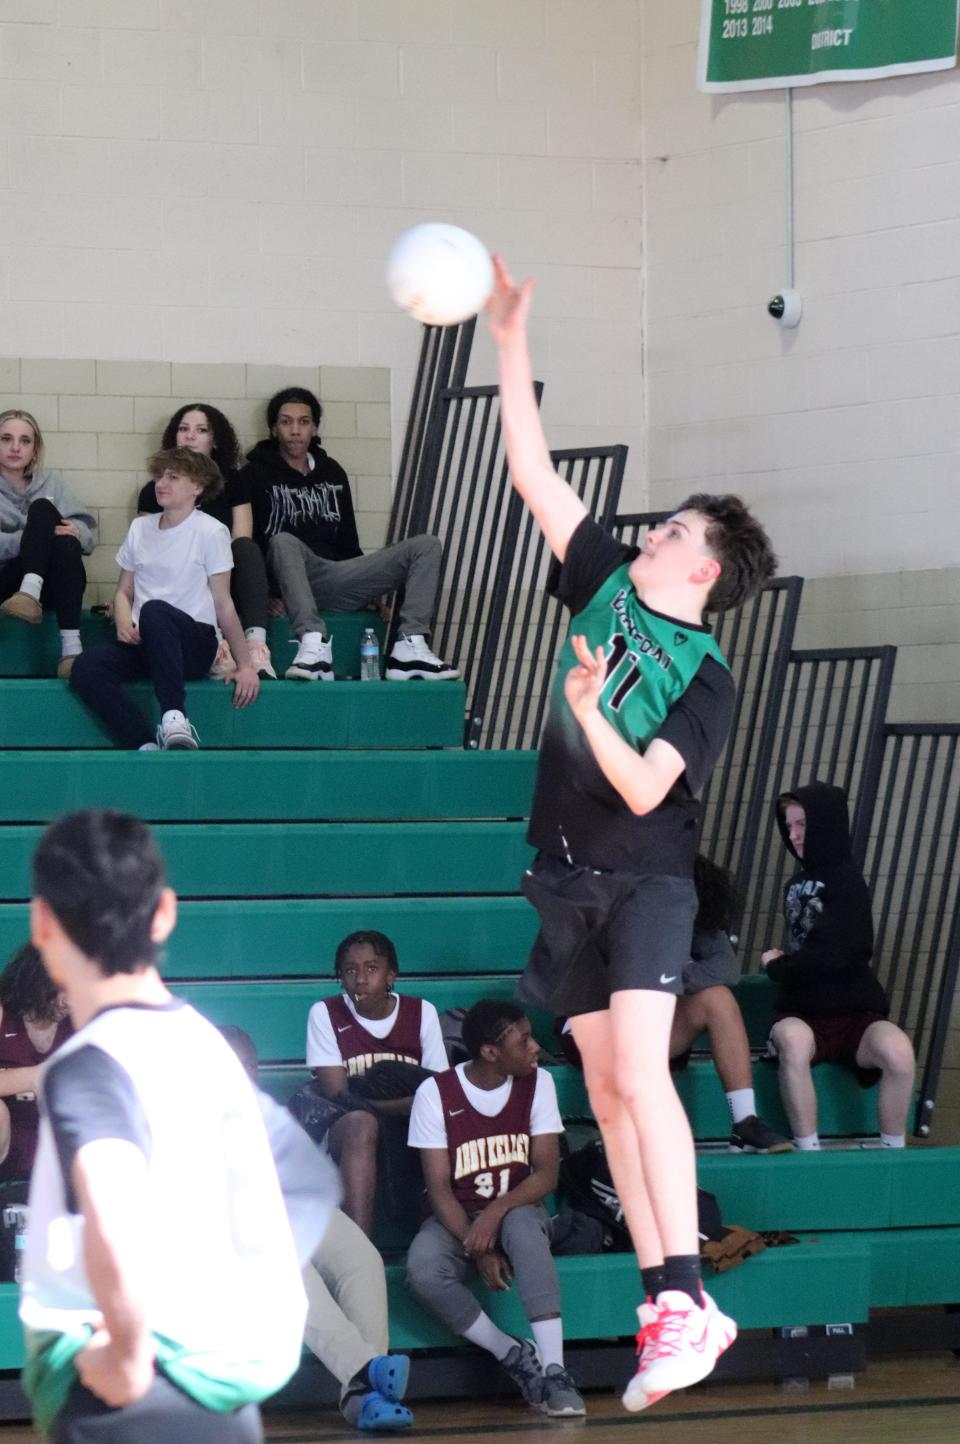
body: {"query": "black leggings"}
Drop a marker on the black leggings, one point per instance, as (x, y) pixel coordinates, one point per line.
(248, 583)
(164, 1414)
(173, 648)
(58, 559)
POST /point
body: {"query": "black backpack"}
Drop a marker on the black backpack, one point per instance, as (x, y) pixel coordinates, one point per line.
(586, 1184)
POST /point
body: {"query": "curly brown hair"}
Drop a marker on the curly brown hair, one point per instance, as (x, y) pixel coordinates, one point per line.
(739, 543)
(201, 469)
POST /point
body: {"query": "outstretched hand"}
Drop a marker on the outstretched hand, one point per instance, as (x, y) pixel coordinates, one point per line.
(584, 683)
(509, 305)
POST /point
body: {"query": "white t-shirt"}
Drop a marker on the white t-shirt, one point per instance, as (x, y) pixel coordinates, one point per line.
(428, 1130)
(323, 1052)
(174, 564)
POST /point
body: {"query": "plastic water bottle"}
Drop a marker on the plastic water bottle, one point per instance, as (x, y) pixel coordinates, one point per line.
(369, 657)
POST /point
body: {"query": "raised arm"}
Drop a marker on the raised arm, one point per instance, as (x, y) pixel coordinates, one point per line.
(555, 505)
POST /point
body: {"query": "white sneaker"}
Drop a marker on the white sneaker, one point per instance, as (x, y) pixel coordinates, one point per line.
(148, 747)
(313, 662)
(411, 658)
(176, 734)
(681, 1347)
(635, 1395)
(260, 660)
(223, 663)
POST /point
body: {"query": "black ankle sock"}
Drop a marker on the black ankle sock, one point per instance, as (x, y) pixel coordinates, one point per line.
(682, 1272)
(654, 1280)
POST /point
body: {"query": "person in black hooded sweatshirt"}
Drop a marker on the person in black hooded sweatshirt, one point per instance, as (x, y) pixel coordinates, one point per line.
(830, 1005)
(304, 521)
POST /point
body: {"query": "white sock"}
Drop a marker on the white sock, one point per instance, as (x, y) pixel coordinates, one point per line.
(32, 584)
(548, 1337)
(810, 1144)
(256, 634)
(312, 639)
(743, 1104)
(485, 1334)
(70, 642)
(172, 716)
(892, 1140)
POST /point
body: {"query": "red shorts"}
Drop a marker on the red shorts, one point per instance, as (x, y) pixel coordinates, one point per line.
(836, 1039)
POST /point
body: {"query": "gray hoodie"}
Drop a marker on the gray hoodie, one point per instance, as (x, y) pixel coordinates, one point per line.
(14, 505)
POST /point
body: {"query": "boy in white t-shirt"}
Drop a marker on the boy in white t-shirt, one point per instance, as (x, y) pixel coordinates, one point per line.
(172, 596)
(488, 1134)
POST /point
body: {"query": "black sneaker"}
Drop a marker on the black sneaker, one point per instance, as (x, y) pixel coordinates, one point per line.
(523, 1365)
(561, 1397)
(751, 1135)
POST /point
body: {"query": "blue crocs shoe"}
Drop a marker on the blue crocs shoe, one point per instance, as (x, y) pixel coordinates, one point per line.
(390, 1374)
(383, 1415)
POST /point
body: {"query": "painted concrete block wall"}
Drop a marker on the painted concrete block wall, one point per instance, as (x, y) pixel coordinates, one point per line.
(846, 432)
(220, 181)
(102, 419)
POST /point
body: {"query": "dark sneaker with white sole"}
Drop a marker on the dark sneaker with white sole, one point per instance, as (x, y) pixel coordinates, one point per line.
(561, 1397)
(523, 1365)
(751, 1135)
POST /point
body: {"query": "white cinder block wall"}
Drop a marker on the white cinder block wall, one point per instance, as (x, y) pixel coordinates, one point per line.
(845, 432)
(220, 181)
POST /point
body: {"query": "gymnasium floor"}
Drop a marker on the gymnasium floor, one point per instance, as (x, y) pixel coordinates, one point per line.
(914, 1400)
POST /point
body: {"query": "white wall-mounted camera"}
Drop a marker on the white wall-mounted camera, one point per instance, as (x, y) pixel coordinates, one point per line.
(787, 308)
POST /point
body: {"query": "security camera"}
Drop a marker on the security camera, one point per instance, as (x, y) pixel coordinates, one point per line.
(787, 308)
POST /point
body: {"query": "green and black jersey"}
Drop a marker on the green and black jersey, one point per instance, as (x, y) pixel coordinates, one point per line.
(665, 678)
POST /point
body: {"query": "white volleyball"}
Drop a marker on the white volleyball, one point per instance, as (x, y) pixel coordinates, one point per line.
(439, 274)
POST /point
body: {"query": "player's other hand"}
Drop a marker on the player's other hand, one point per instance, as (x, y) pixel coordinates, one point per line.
(771, 955)
(494, 1269)
(118, 1379)
(483, 1233)
(246, 685)
(509, 305)
(584, 683)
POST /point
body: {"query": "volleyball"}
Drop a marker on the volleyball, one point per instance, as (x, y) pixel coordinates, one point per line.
(439, 274)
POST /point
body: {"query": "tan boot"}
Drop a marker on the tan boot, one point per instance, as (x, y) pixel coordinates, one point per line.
(22, 606)
(65, 667)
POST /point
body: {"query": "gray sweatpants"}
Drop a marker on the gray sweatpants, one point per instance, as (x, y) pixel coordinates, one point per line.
(311, 585)
(437, 1268)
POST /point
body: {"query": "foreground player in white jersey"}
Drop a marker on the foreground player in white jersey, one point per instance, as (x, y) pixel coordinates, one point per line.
(161, 1294)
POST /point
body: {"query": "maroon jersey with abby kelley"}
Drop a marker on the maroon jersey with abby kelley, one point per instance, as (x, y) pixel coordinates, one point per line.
(489, 1156)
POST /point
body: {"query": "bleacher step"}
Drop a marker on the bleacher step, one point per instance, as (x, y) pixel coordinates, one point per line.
(46, 714)
(27, 651)
(335, 859)
(245, 786)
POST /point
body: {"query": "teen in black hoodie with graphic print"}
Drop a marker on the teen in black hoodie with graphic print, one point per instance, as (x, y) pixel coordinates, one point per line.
(830, 1005)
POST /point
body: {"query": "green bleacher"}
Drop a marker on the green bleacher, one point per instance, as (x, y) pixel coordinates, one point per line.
(326, 808)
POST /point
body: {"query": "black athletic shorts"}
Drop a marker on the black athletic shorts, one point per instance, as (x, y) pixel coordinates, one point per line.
(164, 1414)
(604, 932)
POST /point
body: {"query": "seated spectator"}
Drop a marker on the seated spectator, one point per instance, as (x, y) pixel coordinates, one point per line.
(347, 1324)
(173, 593)
(44, 536)
(303, 518)
(33, 1012)
(488, 1134)
(708, 1004)
(367, 1023)
(830, 1005)
(202, 428)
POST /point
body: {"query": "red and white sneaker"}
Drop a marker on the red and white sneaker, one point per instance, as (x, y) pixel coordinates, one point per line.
(635, 1395)
(680, 1346)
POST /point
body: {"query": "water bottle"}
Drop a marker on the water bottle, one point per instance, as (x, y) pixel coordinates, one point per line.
(369, 657)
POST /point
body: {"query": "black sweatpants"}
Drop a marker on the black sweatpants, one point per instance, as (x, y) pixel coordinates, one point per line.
(163, 1415)
(173, 649)
(58, 559)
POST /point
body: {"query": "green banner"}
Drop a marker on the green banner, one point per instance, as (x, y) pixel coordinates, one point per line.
(771, 44)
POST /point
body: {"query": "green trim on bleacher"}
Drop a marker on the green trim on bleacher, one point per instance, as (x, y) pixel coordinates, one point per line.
(27, 651)
(246, 786)
(348, 859)
(264, 938)
(46, 714)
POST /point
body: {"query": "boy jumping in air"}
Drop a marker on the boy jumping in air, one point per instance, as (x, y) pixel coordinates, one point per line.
(641, 708)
